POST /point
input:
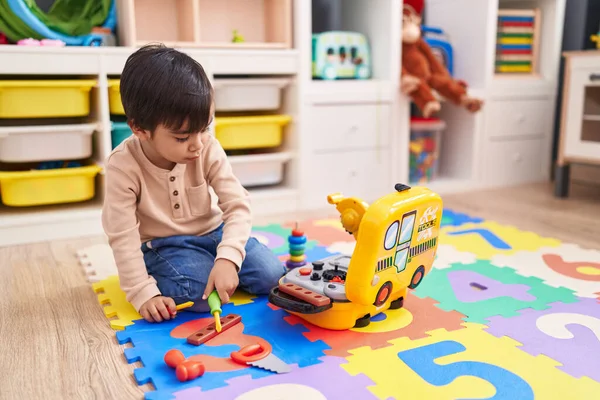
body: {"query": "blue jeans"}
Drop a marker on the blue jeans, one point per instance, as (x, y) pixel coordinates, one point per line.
(181, 265)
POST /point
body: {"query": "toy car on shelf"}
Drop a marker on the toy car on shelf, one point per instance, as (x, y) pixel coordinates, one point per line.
(396, 242)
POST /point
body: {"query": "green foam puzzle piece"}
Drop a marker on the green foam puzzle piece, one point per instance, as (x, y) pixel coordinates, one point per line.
(482, 290)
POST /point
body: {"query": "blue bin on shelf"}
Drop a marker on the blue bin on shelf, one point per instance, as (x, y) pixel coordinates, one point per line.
(119, 132)
(440, 45)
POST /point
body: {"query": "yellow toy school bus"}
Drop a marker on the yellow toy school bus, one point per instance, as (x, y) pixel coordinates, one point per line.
(396, 243)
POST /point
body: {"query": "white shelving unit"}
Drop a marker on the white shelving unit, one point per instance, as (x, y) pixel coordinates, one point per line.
(346, 135)
(509, 141)
(32, 224)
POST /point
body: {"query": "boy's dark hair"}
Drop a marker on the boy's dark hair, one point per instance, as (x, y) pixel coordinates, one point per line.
(160, 85)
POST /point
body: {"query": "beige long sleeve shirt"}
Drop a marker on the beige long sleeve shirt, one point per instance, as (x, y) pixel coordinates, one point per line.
(143, 202)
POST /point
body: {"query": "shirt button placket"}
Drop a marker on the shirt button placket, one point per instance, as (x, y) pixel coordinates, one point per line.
(174, 197)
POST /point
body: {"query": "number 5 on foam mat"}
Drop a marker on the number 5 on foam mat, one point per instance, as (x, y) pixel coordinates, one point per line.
(422, 360)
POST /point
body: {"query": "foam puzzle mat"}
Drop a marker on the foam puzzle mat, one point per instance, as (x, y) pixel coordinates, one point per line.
(532, 333)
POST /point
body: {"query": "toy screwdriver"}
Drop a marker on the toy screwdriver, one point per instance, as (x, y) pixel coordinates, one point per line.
(181, 306)
(214, 302)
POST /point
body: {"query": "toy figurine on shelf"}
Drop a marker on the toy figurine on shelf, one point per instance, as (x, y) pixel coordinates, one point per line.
(237, 38)
(422, 72)
(596, 38)
(297, 243)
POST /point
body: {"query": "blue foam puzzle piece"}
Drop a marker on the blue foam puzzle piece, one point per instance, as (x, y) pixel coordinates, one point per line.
(318, 253)
(451, 218)
(152, 341)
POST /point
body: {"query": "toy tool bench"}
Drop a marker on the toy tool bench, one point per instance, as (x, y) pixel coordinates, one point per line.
(396, 242)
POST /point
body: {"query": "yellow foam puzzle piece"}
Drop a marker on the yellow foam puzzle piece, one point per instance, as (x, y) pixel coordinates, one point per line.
(464, 363)
(488, 239)
(115, 304)
(112, 297)
(240, 298)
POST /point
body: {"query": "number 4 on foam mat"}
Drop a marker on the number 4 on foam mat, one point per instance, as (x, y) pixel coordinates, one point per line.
(422, 360)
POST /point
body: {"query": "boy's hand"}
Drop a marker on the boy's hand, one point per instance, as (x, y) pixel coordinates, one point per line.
(157, 309)
(224, 278)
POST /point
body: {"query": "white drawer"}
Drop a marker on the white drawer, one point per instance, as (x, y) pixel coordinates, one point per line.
(248, 94)
(511, 162)
(365, 174)
(46, 143)
(259, 169)
(352, 126)
(514, 118)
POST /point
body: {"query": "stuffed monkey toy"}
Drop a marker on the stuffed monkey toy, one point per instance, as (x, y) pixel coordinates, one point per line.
(422, 71)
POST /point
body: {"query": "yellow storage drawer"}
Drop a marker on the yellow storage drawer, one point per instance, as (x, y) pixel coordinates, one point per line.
(50, 186)
(45, 98)
(114, 97)
(250, 132)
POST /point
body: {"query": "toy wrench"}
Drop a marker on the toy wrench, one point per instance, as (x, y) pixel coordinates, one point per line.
(261, 357)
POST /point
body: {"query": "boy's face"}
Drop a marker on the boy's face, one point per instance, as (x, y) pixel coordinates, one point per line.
(166, 147)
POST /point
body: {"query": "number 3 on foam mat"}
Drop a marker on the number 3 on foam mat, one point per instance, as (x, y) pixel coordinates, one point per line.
(422, 361)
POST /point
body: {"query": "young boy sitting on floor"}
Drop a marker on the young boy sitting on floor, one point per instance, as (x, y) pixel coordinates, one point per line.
(170, 242)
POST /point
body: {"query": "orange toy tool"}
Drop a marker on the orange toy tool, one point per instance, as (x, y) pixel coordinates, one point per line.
(185, 370)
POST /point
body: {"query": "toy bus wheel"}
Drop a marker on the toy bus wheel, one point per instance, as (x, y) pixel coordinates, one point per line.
(329, 73)
(363, 321)
(397, 304)
(383, 294)
(362, 72)
(417, 277)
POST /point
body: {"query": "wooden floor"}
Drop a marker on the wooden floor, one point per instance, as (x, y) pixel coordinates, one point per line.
(55, 342)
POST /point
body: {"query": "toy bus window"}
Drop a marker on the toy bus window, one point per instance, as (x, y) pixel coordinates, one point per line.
(400, 259)
(408, 224)
(391, 235)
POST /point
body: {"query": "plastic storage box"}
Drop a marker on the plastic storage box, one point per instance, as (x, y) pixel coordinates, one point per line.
(425, 141)
(44, 143)
(119, 132)
(248, 94)
(114, 97)
(250, 132)
(51, 186)
(45, 98)
(260, 169)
